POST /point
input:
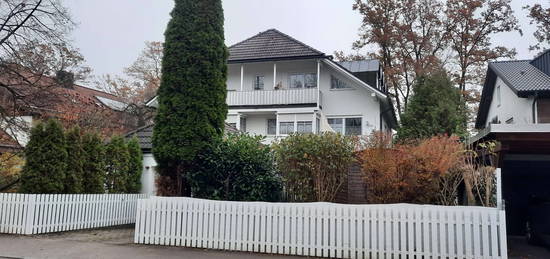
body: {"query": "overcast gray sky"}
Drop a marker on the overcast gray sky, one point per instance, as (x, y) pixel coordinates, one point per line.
(111, 33)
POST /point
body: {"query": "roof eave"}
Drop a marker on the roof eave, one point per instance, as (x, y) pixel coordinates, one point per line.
(255, 60)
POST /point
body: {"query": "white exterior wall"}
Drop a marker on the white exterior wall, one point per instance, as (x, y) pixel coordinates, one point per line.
(511, 106)
(354, 102)
(149, 175)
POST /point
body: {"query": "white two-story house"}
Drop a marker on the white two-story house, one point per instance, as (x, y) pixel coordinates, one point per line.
(515, 111)
(278, 85)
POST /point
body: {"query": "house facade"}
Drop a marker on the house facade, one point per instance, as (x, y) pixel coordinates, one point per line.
(515, 111)
(277, 86)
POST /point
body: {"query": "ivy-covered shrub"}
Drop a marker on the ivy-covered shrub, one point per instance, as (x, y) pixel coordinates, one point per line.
(314, 167)
(240, 168)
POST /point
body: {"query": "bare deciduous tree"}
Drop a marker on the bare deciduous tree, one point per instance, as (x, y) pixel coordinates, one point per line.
(408, 36)
(33, 48)
(540, 17)
(470, 26)
(140, 82)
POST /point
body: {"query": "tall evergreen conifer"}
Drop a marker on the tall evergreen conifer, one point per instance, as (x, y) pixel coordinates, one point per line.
(94, 164)
(436, 108)
(46, 160)
(75, 162)
(191, 97)
(117, 159)
(135, 166)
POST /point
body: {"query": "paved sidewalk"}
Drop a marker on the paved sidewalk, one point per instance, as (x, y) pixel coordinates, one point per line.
(106, 243)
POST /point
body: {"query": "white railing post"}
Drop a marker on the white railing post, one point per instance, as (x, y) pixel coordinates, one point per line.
(499, 189)
(29, 222)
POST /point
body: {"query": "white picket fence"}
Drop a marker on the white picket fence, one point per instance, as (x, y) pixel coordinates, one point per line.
(324, 229)
(45, 213)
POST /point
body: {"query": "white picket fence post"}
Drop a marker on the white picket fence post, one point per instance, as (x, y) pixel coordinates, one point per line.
(45, 213)
(324, 229)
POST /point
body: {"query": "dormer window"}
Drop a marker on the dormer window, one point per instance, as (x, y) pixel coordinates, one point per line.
(259, 83)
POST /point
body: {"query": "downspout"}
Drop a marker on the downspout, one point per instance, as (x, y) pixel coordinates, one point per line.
(534, 109)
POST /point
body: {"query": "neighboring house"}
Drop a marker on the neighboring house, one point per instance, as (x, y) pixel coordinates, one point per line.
(59, 97)
(515, 111)
(278, 85)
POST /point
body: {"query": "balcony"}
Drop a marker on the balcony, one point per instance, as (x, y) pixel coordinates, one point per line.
(258, 98)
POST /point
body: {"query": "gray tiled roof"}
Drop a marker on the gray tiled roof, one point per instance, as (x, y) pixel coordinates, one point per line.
(270, 44)
(521, 75)
(524, 77)
(361, 65)
(145, 135)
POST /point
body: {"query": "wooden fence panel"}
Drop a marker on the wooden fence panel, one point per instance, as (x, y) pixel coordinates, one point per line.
(324, 229)
(46, 213)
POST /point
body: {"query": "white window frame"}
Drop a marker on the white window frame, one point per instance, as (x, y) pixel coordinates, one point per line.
(304, 122)
(293, 127)
(267, 127)
(344, 118)
(256, 81)
(339, 81)
(290, 85)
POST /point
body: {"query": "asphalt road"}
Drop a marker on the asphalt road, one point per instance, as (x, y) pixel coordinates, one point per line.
(519, 249)
(105, 243)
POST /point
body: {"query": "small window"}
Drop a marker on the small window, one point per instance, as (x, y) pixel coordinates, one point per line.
(498, 96)
(259, 83)
(510, 121)
(337, 125)
(271, 127)
(353, 126)
(336, 83)
(286, 128)
(305, 127)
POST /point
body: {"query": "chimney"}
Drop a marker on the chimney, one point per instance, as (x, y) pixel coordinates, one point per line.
(65, 79)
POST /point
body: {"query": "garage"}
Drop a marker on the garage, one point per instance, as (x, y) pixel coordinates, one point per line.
(523, 178)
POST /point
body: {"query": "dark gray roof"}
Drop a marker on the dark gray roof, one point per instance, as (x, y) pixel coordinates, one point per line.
(271, 45)
(524, 77)
(145, 135)
(361, 65)
(521, 75)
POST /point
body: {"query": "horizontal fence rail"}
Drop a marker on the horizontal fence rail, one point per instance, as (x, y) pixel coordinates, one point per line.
(324, 229)
(46, 213)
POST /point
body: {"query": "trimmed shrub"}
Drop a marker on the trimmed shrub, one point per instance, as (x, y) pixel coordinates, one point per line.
(117, 161)
(46, 160)
(94, 164)
(75, 162)
(240, 168)
(314, 167)
(135, 166)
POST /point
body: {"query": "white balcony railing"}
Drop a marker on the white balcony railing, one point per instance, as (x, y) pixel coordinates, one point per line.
(273, 97)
